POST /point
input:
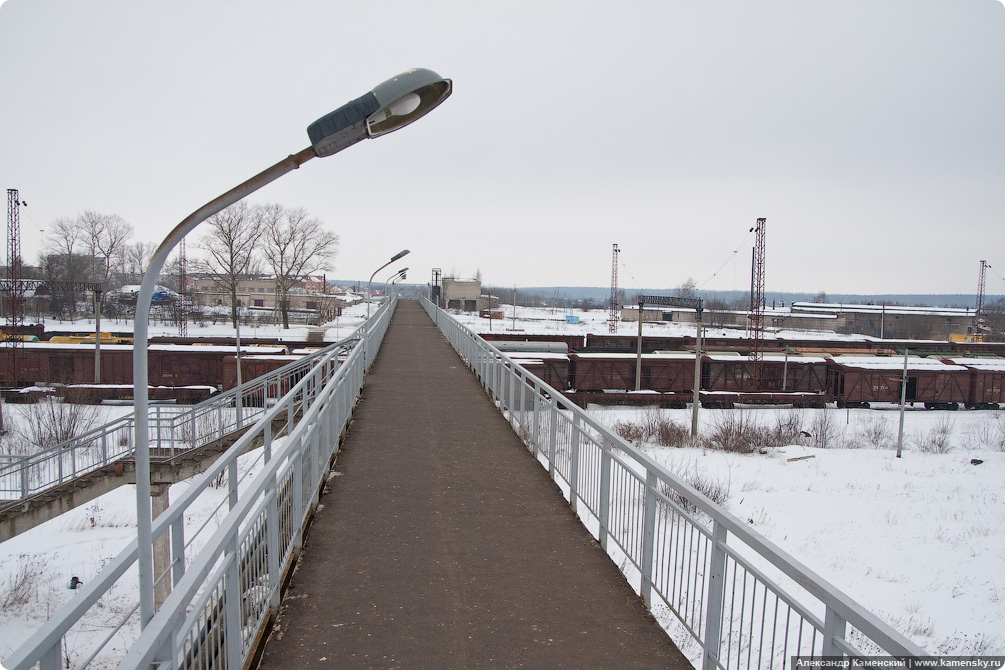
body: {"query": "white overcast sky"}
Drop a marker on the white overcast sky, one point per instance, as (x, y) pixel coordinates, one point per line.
(869, 133)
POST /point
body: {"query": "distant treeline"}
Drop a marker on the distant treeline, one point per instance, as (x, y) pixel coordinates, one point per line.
(601, 296)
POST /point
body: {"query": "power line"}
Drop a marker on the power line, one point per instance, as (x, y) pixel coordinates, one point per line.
(732, 256)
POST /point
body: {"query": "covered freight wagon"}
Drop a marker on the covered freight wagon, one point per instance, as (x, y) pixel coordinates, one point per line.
(987, 379)
(667, 372)
(857, 381)
(779, 373)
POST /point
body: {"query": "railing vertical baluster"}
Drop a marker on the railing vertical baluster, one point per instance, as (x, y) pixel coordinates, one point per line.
(535, 434)
(298, 497)
(52, 659)
(714, 598)
(232, 602)
(232, 482)
(648, 537)
(605, 491)
(177, 550)
(523, 402)
(267, 442)
(511, 380)
(834, 630)
(552, 436)
(273, 548)
(574, 465)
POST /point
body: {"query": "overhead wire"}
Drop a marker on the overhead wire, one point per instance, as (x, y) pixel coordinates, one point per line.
(625, 266)
(732, 256)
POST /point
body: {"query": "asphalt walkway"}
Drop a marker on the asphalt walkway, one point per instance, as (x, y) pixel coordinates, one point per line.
(443, 544)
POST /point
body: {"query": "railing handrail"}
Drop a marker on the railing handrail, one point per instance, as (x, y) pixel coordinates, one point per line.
(175, 606)
(832, 598)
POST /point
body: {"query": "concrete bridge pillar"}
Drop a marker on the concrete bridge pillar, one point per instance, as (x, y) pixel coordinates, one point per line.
(159, 501)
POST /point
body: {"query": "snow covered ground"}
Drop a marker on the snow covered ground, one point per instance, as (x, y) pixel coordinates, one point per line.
(919, 540)
(351, 318)
(36, 567)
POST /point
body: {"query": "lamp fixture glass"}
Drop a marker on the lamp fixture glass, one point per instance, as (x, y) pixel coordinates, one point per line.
(389, 106)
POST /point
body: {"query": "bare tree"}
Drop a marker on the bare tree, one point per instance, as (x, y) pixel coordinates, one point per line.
(134, 258)
(294, 245)
(62, 261)
(230, 248)
(689, 289)
(993, 320)
(103, 237)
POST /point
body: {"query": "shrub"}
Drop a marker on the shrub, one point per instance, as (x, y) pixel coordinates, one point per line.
(788, 428)
(656, 427)
(51, 422)
(714, 489)
(737, 432)
(633, 432)
(937, 439)
(988, 433)
(874, 433)
(18, 588)
(822, 429)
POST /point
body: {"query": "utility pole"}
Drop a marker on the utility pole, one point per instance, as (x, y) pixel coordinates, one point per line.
(980, 302)
(697, 375)
(514, 309)
(612, 319)
(182, 281)
(756, 326)
(903, 402)
(15, 319)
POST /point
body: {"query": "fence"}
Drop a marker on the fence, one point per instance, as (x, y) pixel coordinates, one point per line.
(226, 588)
(172, 429)
(741, 599)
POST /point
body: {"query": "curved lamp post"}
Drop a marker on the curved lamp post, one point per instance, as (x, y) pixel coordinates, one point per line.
(389, 106)
(400, 254)
(387, 281)
(394, 282)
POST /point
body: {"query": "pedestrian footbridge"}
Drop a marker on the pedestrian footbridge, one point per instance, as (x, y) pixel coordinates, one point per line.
(434, 505)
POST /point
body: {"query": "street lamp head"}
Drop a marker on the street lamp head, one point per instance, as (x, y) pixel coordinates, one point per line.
(389, 106)
(403, 252)
(406, 98)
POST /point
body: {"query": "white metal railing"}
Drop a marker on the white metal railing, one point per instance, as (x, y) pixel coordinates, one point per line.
(225, 585)
(743, 600)
(173, 429)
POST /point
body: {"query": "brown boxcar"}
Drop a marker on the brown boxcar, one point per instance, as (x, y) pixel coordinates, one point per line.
(857, 381)
(252, 367)
(169, 365)
(551, 368)
(733, 372)
(987, 379)
(664, 372)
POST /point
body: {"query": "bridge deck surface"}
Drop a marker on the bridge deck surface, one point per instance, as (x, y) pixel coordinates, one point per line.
(443, 544)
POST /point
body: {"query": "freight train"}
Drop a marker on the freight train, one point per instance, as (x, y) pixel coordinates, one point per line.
(186, 373)
(846, 375)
